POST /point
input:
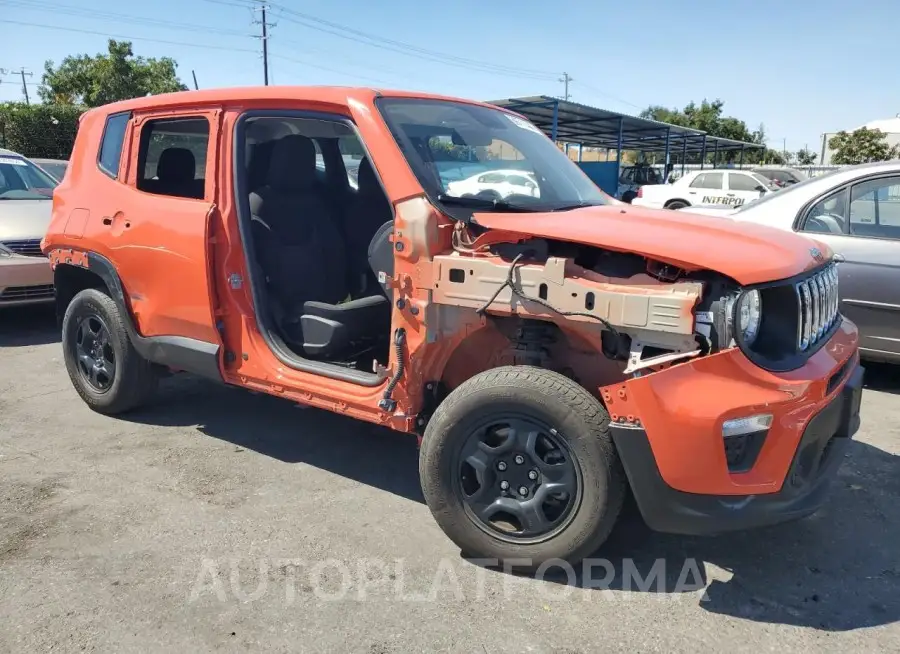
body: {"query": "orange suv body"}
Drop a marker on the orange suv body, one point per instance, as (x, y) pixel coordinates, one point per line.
(552, 352)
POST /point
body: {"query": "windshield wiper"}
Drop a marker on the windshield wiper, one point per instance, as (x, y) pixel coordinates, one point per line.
(483, 203)
(579, 205)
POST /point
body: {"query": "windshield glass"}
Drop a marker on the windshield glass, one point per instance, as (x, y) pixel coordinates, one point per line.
(479, 158)
(22, 180)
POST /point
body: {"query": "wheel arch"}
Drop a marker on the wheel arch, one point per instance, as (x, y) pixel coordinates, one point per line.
(175, 352)
(674, 200)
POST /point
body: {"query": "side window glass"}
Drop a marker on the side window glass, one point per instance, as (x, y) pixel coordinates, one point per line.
(827, 216)
(738, 182)
(111, 145)
(708, 180)
(172, 157)
(875, 208)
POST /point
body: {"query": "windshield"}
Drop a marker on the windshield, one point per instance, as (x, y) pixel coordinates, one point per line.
(479, 158)
(22, 180)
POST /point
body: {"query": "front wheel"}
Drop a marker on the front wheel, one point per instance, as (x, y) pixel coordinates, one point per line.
(518, 463)
(105, 369)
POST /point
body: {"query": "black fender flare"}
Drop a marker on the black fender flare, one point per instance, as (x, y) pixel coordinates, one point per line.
(177, 352)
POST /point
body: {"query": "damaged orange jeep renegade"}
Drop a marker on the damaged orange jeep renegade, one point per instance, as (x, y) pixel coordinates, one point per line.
(440, 267)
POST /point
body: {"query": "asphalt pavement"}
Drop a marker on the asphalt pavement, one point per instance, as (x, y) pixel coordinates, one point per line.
(217, 519)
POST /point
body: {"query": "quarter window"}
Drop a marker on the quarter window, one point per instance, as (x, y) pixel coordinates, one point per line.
(172, 157)
(708, 180)
(111, 145)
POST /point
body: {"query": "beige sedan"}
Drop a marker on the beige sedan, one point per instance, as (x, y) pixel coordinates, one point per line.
(25, 206)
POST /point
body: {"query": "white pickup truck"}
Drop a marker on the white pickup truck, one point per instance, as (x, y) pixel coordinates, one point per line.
(730, 188)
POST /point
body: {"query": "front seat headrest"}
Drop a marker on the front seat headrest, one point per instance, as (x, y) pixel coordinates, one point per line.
(292, 164)
(365, 176)
(176, 165)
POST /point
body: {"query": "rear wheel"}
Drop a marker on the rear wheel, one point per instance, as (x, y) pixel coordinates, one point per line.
(517, 463)
(106, 371)
(677, 204)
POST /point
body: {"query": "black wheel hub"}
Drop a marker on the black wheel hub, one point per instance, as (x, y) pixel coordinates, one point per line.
(518, 479)
(95, 355)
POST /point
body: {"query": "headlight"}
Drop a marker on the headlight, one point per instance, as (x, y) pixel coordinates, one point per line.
(749, 316)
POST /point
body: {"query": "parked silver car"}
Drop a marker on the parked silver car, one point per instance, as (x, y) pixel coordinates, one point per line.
(856, 211)
(26, 198)
(56, 168)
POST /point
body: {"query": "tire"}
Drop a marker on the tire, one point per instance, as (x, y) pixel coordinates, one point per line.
(131, 380)
(580, 423)
(677, 204)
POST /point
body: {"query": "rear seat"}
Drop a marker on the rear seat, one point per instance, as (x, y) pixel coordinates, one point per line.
(175, 175)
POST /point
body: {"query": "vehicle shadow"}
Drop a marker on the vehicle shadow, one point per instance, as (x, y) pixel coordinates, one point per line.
(883, 377)
(372, 455)
(837, 570)
(28, 326)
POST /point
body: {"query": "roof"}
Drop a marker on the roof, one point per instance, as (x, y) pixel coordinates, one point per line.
(247, 95)
(9, 153)
(887, 125)
(594, 127)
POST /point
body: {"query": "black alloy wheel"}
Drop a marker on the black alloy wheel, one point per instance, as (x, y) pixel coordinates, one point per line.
(518, 479)
(96, 357)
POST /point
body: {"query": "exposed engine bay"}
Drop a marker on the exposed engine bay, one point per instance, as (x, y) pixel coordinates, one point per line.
(645, 313)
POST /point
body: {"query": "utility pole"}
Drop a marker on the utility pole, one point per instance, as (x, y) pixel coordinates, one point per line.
(24, 85)
(196, 87)
(565, 79)
(265, 40)
(22, 73)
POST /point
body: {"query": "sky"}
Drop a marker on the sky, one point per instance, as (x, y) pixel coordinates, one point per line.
(800, 67)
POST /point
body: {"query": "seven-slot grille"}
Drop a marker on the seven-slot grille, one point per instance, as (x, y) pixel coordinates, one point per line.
(28, 248)
(817, 299)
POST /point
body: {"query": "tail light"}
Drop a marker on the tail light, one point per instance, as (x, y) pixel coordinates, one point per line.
(640, 192)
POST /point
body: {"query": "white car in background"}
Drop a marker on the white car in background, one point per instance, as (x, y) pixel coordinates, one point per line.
(716, 187)
(496, 184)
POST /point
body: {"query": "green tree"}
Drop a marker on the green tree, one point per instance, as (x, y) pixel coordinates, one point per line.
(861, 146)
(805, 157)
(103, 78)
(708, 117)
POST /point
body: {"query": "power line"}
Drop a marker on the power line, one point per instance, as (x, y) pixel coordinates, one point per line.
(179, 43)
(358, 36)
(123, 18)
(127, 38)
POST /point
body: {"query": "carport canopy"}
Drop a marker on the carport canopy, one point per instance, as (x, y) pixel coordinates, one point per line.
(575, 123)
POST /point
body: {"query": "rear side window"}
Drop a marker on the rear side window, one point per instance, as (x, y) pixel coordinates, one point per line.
(738, 182)
(111, 145)
(708, 180)
(172, 157)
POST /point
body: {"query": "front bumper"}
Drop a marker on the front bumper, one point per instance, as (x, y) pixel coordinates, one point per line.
(815, 461)
(25, 280)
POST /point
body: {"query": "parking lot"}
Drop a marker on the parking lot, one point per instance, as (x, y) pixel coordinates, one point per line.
(221, 519)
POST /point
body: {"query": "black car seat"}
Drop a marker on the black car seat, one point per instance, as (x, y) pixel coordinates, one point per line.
(369, 211)
(175, 175)
(304, 257)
